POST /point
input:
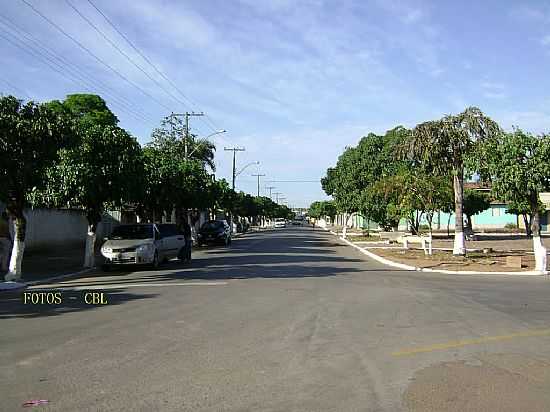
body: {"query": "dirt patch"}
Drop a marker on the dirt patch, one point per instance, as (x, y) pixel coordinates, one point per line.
(478, 261)
(365, 238)
(498, 382)
(499, 242)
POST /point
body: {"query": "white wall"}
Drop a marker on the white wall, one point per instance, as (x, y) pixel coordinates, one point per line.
(48, 228)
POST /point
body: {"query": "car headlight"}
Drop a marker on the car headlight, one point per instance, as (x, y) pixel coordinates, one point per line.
(106, 249)
(221, 234)
(199, 234)
(144, 248)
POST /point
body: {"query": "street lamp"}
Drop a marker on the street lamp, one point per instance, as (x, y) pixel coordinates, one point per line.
(249, 164)
(215, 133)
(206, 138)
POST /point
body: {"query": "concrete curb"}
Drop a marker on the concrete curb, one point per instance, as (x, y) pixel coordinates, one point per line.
(428, 270)
(25, 285)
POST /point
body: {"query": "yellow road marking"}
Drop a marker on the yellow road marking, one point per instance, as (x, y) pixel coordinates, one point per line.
(466, 342)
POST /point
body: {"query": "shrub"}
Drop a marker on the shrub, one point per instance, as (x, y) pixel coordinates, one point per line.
(510, 226)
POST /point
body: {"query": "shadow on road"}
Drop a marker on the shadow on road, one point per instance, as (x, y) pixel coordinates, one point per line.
(12, 304)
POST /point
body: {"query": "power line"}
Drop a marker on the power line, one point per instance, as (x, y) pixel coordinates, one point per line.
(57, 67)
(107, 39)
(95, 56)
(17, 89)
(40, 48)
(292, 181)
(213, 126)
(45, 61)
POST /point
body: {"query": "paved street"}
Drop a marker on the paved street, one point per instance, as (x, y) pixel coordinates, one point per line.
(285, 320)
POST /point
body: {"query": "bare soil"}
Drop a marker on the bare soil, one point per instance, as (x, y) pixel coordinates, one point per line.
(477, 261)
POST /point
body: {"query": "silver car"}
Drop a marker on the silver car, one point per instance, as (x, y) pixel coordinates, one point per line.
(143, 243)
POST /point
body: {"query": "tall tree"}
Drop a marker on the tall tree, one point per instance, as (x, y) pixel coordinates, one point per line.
(102, 171)
(89, 109)
(30, 136)
(518, 165)
(444, 144)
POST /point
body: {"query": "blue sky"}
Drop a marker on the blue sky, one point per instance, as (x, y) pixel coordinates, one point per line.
(294, 82)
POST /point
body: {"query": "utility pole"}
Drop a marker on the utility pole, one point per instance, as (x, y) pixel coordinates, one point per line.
(234, 150)
(173, 119)
(277, 196)
(187, 114)
(269, 188)
(258, 176)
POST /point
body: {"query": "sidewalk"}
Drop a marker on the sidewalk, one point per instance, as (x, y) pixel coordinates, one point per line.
(44, 264)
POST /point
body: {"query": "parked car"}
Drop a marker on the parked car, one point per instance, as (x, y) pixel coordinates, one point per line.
(142, 243)
(214, 231)
(280, 222)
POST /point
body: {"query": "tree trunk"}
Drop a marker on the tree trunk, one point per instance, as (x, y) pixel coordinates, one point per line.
(429, 218)
(94, 218)
(527, 220)
(469, 218)
(538, 249)
(368, 226)
(459, 248)
(20, 226)
(345, 229)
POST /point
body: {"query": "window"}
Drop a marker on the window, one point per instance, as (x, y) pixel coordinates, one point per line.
(168, 230)
(495, 212)
(132, 232)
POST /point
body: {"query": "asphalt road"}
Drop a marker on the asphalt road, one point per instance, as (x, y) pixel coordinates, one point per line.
(286, 320)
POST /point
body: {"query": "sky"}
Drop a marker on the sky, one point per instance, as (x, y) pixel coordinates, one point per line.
(292, 81)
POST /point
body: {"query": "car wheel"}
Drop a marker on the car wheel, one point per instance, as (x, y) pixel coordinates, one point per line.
(105, 267)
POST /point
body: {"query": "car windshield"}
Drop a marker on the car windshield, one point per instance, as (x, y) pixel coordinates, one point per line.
(212, 225)
(132, 232)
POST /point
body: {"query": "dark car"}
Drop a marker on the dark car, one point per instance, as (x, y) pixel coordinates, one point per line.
(214, 232)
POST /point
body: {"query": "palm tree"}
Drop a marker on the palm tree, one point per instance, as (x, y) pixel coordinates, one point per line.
(444, 144)
(202, 150)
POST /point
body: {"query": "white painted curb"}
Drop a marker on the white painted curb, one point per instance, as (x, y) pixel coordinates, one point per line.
(417, 269)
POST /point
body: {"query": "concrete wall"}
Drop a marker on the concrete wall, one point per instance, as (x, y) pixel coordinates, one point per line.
(51, 228)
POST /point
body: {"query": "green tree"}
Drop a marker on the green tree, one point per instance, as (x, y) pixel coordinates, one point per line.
(102, 171)
(523, 209)
(171, 136)
(89, 109)
(30, 136)
(357, 169)
(475, 202)
(444, 145)
(321, 209)
(518, 165)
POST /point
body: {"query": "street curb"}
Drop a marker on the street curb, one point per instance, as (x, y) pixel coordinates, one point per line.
(428, 270)
(25, 285)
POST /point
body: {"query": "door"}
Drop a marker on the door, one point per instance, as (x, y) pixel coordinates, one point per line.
(172, 241)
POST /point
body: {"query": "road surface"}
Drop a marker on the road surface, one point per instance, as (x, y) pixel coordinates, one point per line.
(284, 320)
